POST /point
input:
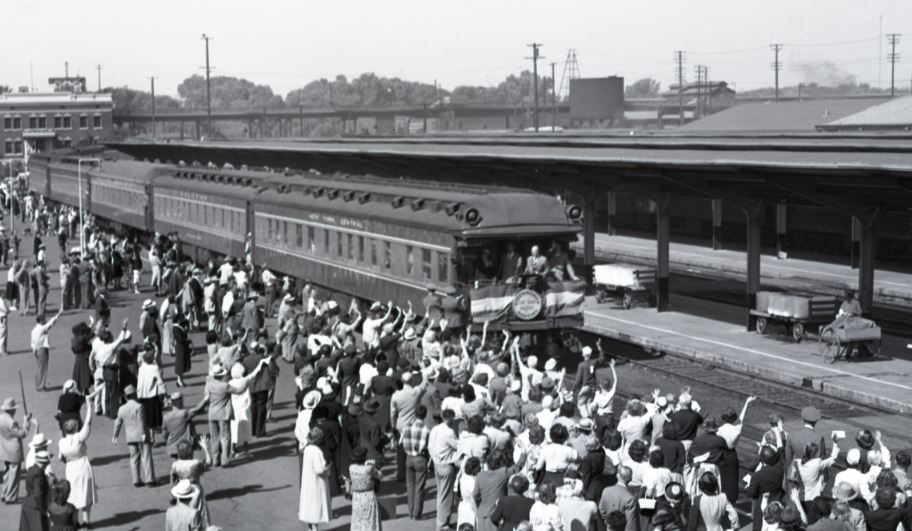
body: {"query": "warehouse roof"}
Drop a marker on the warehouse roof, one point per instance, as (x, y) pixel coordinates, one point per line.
(894, 114)
(783, 116)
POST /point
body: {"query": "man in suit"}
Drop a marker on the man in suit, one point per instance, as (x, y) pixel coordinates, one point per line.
(34, 513)
(130, 416)
(585, 371)
(767, 480)
(402, 413)
(370, 433)
(619, 498)
(798, 439)
(11, 454)
(686, 420)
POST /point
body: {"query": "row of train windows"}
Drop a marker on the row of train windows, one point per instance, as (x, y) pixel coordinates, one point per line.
(225, 219)
(379, 254)
(118, 196)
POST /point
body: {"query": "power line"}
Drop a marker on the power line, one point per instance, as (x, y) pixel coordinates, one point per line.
(777, 65)
(893, 57)
(535, 57)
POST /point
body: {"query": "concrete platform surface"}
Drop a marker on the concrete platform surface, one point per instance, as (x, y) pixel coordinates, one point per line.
(884, 382)
(890, 287)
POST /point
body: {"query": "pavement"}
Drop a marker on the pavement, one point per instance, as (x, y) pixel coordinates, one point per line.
(882, 382)
(890, 287)
(259, 491)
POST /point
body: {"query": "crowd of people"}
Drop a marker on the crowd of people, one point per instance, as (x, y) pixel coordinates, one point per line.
(512, 439)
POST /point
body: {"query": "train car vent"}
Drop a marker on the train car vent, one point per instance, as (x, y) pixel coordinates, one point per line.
(348, 196)
(452, 209)
(417, 204)
(397, 201)
(317, 192)
(364, 198)
(332, 194)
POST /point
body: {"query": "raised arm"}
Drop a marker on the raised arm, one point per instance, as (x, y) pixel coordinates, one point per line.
(744, 409)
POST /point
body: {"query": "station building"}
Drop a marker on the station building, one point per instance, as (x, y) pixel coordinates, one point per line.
(51, 120)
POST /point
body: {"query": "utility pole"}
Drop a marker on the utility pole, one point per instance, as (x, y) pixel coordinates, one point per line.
(777, 66)
(208, 89)
(893, 57)
(66, 70)
(535, 57)
(553, 100)
(98, 67)
(699, 109)
(679, 59)
(152, 78)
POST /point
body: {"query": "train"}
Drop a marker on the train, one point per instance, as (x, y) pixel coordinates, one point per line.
(362, 236)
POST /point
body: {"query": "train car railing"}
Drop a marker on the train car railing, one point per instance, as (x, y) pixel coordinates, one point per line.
(527, 300)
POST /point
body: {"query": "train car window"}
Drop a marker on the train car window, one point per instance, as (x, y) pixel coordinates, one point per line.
(326, 247)
(340, 244)
(359, 257)
(410, 260)
(387, 255)
(374, 244)
(311, 240)
(426, 272)
(352, 247)
(299, 236)
(443, 268)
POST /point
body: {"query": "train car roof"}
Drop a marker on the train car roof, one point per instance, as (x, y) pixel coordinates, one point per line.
(500, 212)
(209, 185)
(128, 170)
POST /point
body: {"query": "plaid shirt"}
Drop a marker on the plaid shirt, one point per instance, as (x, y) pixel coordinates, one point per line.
(415, 438)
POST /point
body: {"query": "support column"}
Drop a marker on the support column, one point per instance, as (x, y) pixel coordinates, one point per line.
(612, 213)
(856, 242)
(867, 248)
(781, 229)
(663, 240)
(717, 224)
(197, 130)
(754, 232)
(182, 129)
(589, 205)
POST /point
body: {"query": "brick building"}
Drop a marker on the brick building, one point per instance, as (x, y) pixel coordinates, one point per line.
(50, 120)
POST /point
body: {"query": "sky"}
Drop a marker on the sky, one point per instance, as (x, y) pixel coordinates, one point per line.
(287, 43)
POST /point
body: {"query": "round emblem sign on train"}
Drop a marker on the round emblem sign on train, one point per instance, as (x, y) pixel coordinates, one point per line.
(527, 304)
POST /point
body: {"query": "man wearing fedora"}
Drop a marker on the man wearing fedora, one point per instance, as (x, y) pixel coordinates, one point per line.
(11, 452)
(798, 440)
(177, 425)
(218, 394)
(132, 418)
(34, 515)
(182, 516)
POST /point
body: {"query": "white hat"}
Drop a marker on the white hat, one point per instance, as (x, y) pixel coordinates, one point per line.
(237, 370)
(515, 386)
(376, 307)
(532, 361)
(147, 304)
(587, 351)
(217, 370)
(409, 334)
(547, 402)
(551, 364)
(332, 305)
(184, 489)
(39, 440)
(853, 457)
(311, 399)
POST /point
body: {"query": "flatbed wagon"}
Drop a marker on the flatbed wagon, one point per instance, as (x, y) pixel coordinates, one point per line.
(632, 284)
(798, 313)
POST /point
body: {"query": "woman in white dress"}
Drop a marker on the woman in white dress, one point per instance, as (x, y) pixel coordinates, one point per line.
(314, 502)
(167, 311)
(465, 513)
(240, 403)
(83, 494)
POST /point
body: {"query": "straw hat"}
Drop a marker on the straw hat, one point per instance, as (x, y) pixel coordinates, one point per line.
(148, 304)
(9, 404)
(311, 399)
(39, 441)
(184, 489)
(217, 371)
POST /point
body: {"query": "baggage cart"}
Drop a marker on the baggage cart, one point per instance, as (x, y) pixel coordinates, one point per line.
(837, 341)
(798, 313)
(630, 283)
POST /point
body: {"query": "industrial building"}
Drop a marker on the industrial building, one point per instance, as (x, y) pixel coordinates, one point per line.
(50, 120)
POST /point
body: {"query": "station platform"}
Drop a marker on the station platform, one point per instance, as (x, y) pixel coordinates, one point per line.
(890, 288)
(882, 382)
